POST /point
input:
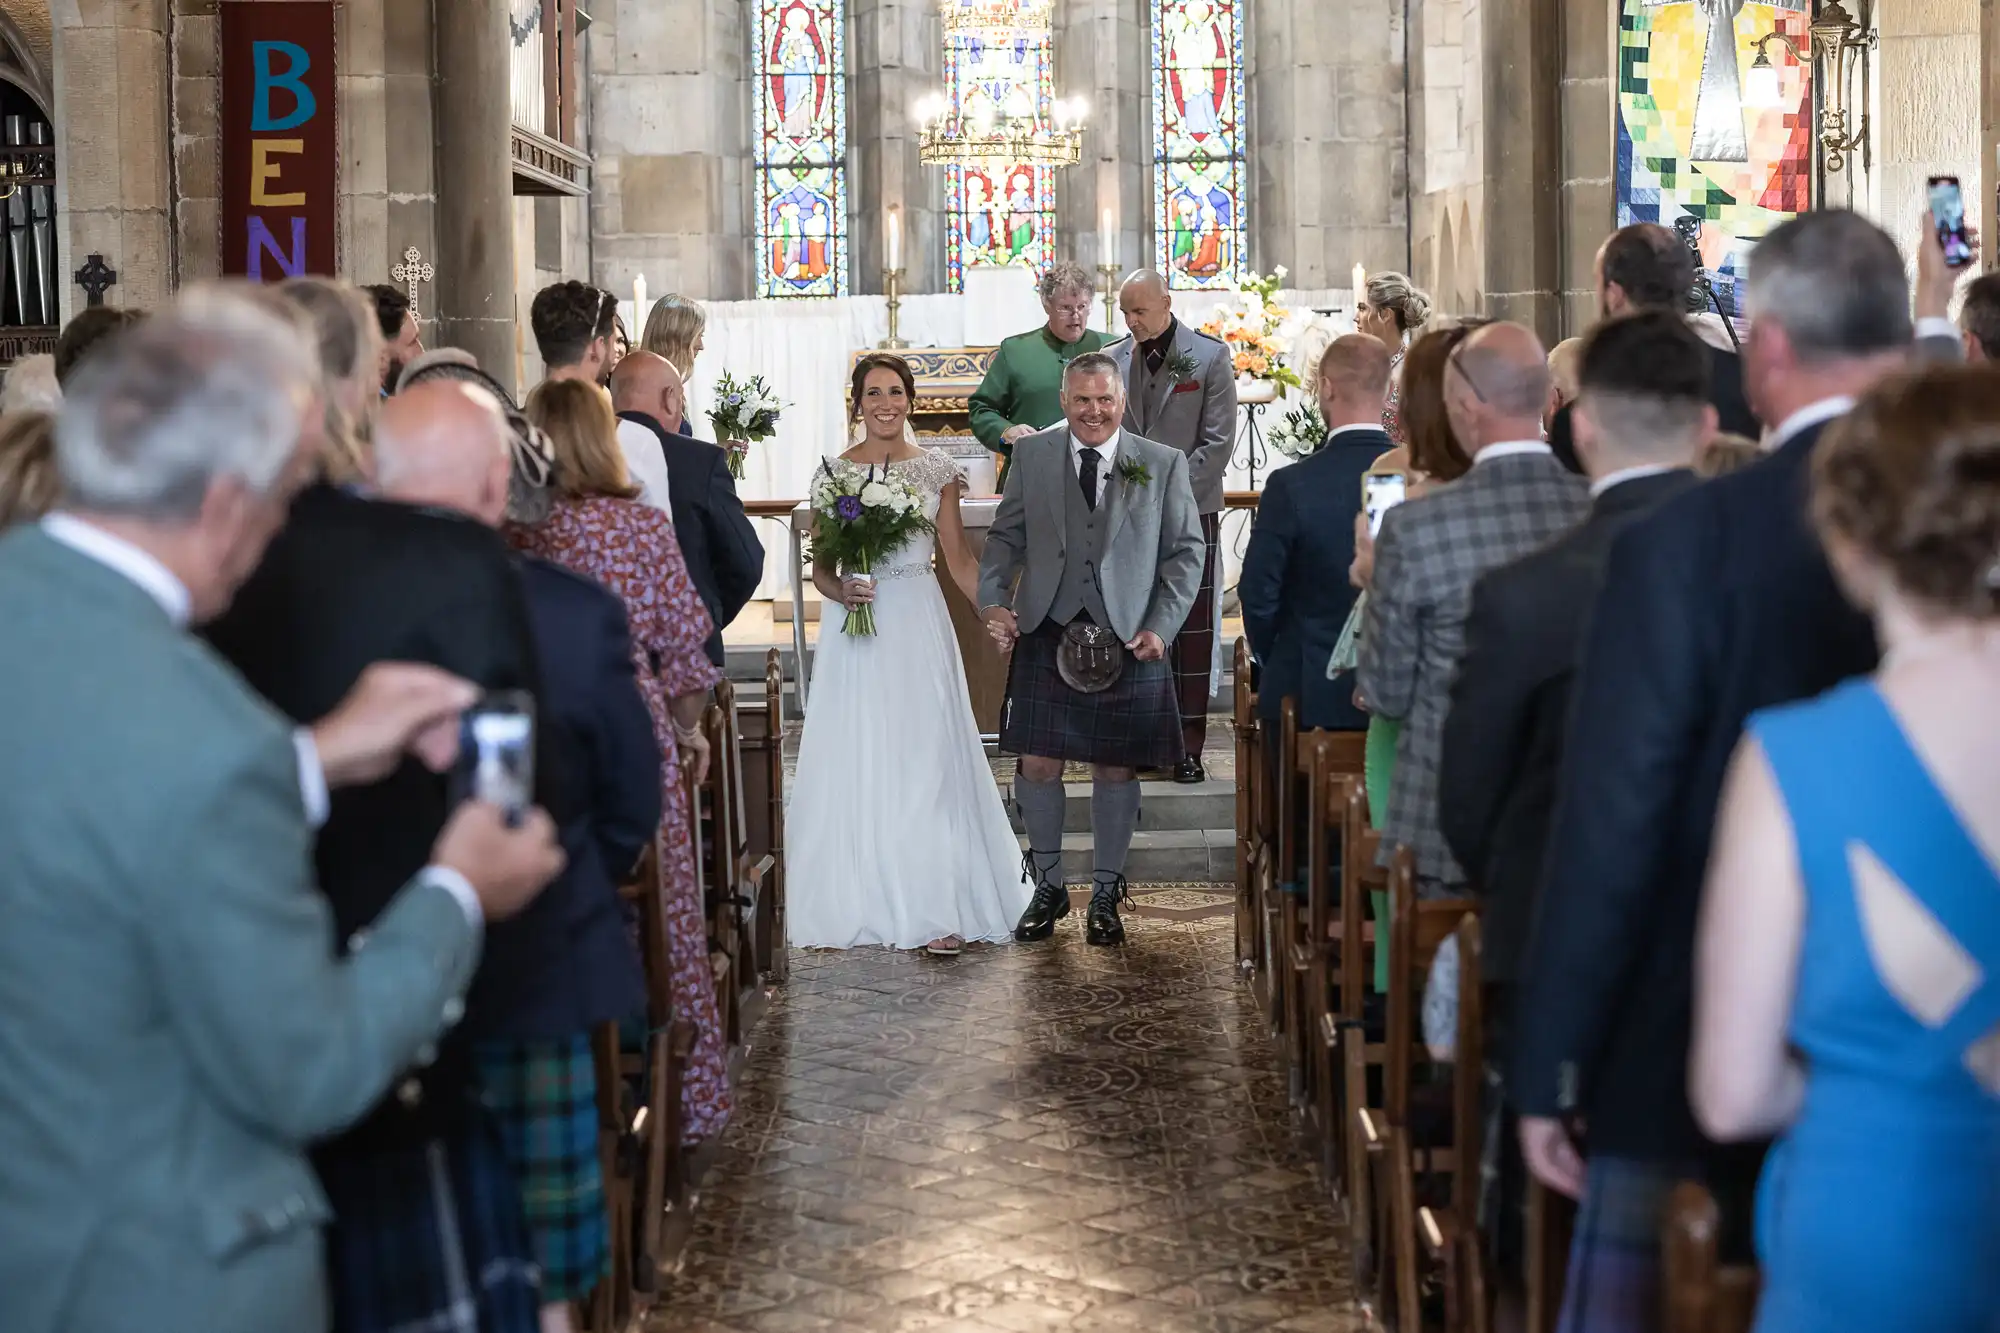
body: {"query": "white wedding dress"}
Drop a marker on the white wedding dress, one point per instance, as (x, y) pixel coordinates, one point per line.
(896, 833)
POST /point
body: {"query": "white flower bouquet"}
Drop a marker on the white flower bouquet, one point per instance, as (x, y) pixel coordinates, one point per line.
(745, 413)
(860, 515)
(1300, 434)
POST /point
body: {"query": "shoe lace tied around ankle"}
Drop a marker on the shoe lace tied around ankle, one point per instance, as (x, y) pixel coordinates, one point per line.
(1113, 888)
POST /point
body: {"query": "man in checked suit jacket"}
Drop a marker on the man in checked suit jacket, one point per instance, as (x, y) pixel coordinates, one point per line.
(1180, 389)
(1715, 605)
(174, 1024)
(1433, 549)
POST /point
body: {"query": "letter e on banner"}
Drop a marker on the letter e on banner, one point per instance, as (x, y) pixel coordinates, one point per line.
(280, 139)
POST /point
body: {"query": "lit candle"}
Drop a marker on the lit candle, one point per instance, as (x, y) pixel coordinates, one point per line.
(1107, 240)
(638, 305)
(1360, 288)
(893, 251)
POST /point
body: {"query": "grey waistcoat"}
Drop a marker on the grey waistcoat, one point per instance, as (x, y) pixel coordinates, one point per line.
(1079, 591)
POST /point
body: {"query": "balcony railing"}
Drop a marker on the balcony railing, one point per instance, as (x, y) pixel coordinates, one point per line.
(545, 94)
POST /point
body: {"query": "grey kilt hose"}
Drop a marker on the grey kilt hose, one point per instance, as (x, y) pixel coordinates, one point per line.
(1134, 724)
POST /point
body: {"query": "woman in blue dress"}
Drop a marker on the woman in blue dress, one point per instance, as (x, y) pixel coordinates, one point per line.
(1848, 968)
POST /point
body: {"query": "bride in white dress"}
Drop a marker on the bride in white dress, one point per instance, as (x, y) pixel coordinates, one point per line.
(896, 834)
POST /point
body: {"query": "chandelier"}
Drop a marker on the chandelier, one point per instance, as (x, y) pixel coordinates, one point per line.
(945, 138)
(996, 17)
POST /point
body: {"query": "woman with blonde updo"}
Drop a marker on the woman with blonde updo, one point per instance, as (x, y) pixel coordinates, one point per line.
(1847, 988)
(674, 330)
(1393, 312)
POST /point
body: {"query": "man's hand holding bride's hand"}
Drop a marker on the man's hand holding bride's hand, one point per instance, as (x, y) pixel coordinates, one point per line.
(1148, 647)
(1002, 626)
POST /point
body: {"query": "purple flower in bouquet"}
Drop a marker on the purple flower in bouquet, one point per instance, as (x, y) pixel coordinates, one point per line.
(848, 507)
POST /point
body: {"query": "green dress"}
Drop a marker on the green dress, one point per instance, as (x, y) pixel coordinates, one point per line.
(1378, 764)
(1023, 386)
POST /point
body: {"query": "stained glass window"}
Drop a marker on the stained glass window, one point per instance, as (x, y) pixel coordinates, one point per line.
(1703, 132)
(1198, 148)
(999, 214)
(801, 148)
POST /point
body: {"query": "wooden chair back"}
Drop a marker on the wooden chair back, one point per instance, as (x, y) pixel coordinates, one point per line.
(1703, 1295)
(1249, 812)
(1360, 874)
(1468, 1075)
(761, 734)
(1416, 928)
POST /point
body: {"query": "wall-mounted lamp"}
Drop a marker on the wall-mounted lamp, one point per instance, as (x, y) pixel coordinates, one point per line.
(1840, 47)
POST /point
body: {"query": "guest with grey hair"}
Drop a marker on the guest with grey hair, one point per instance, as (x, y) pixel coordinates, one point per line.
(1022, 391)
(1715, 605)
(178, 1026)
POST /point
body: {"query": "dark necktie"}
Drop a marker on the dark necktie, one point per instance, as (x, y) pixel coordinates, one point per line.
(1156, 356)
(1087, 474)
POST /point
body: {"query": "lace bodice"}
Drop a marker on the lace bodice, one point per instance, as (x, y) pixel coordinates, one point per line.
(931, 472)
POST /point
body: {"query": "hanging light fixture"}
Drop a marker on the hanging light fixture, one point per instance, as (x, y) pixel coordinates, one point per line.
(945, 137)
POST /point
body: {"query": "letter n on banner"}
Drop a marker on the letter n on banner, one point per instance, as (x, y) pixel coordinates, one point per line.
(280, 140)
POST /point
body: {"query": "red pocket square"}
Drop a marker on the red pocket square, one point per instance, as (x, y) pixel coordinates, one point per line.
(1189, 387)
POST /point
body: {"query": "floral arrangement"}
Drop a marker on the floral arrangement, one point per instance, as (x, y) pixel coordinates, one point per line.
(746, 413)
(860, 515)
(1300, 434)
(1256, 330)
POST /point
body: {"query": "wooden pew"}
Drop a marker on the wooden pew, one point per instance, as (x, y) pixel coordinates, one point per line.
(1452, 1233)
(1280, 905)
(1249, 814)
(762, 732)
(1325, 761)
(1703, 1295)
(734, 880)
(1416, 929)
(1360, 877)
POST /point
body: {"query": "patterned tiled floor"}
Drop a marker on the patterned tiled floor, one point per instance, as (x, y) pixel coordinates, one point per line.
(1023, 1138)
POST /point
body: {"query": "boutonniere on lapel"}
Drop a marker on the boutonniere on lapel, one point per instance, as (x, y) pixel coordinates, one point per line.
(1181, 368)
(1134, 473)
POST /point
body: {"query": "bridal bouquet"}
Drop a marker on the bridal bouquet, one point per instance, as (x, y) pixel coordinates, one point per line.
(860, 515)
(746, 413)
(1256, 331)
(1300, 434)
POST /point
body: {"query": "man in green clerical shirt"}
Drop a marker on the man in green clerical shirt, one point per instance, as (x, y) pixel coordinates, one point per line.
(1022, 391)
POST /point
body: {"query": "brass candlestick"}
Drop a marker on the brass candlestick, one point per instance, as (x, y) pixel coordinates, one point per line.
(892, 287)
(1110, 272)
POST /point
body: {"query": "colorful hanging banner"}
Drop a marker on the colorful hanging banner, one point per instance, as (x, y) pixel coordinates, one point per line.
(280, 142)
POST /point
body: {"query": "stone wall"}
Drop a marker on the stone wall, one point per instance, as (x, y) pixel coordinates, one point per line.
(1924, 121)
(895, 57)
(1447, 153)
(670, 136)
(1103, 53)
(1329, 137)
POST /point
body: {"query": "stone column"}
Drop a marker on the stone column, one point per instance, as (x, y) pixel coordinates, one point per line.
(1329, 139)
(670, 132)
(896, 58)
(1589, 108)
(1523, 162)
(475, 184)
(1103, 54)
(113, 135)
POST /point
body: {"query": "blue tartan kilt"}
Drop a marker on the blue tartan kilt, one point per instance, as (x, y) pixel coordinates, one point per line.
(430, 1239)
(543, 1095)
(1134, 724)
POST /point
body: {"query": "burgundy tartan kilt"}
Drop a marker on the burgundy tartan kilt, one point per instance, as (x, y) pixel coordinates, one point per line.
(1134, 724)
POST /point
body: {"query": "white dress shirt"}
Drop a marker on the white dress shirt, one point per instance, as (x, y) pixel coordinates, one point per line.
(1625, 474)
(158, 582)
(1936, 326)
(645, 464)
(1826, 409)
(1107, 455)
(1511, 449)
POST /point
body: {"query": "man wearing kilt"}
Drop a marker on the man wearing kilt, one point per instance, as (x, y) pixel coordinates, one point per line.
(1180, 389)
(1092, 564)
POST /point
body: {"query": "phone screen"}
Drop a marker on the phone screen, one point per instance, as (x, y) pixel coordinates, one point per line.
(1948, 214)
(1381, 492)
(496, 755)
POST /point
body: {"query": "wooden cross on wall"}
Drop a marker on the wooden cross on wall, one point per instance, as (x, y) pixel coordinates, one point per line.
(410, 272)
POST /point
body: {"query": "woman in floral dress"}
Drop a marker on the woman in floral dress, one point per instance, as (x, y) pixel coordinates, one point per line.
(595, 528)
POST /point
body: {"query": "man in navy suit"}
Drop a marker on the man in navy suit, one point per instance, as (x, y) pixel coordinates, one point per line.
(1294, 588)
(1718, 603)
(724, 558)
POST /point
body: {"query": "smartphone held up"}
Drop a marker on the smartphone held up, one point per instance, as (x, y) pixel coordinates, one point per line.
(1948, 216)
(496, 753)
(1381, 492)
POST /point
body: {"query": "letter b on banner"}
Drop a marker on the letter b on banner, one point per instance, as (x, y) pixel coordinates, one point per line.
(291, 79)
